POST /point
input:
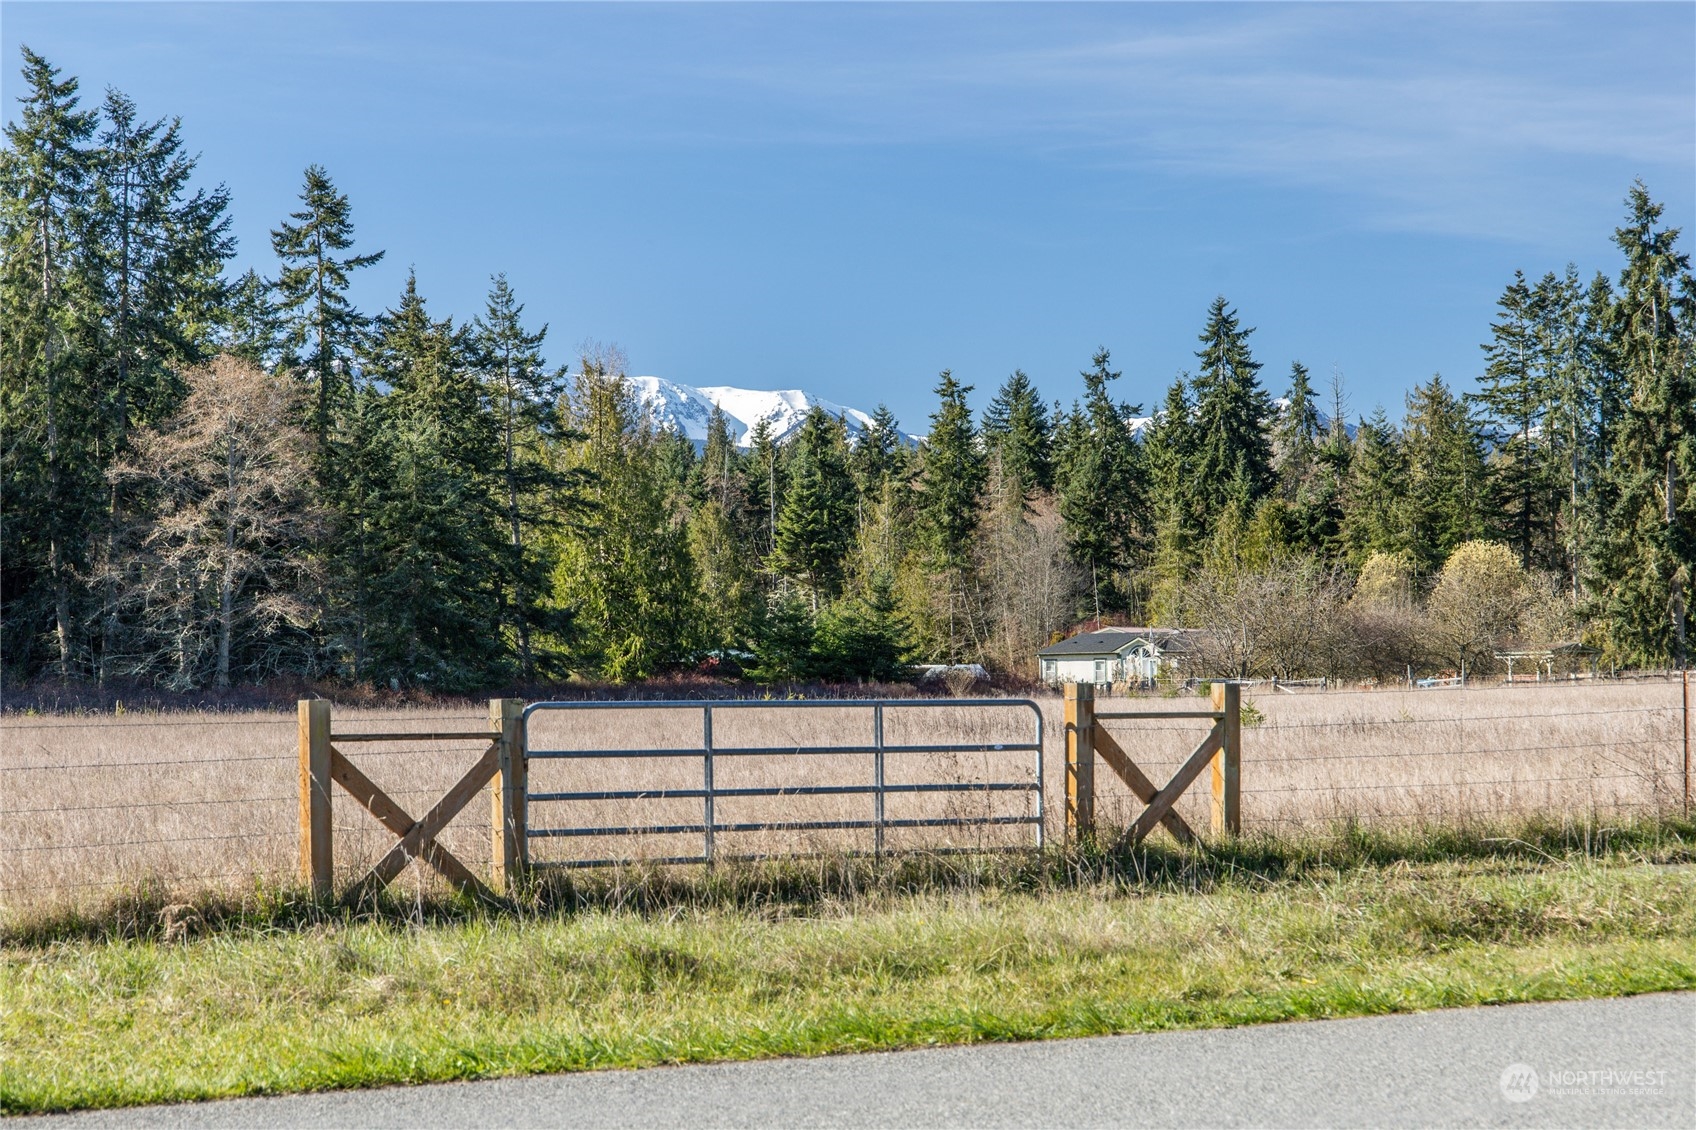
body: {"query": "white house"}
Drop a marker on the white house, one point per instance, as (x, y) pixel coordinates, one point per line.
(1133, 656)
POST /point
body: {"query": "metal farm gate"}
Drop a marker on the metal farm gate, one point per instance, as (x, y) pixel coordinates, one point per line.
(871, 769)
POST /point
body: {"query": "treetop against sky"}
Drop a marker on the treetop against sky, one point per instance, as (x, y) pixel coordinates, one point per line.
(850, 198)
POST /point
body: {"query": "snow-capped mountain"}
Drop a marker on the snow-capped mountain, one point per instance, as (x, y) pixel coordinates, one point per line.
(686, 409)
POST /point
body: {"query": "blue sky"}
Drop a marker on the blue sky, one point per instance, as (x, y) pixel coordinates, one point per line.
(848, 198)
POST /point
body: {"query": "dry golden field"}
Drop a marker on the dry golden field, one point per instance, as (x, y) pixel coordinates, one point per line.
(190, 801)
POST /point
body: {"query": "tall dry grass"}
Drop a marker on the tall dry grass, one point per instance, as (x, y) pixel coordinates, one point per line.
(189, 801)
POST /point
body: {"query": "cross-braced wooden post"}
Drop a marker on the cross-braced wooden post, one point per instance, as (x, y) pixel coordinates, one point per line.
(1228, 762)
(1080, 760)
(509, 816)
(321, 762)
(1221, 748)
(315, 854)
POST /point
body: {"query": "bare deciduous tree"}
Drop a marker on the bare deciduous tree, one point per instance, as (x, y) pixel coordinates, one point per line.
(221, 567)
(1284, 621)
(1031, 585)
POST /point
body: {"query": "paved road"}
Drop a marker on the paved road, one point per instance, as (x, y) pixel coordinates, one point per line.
(1429, 1069)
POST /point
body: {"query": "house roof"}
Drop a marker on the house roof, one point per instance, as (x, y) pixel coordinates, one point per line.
(1115, 641)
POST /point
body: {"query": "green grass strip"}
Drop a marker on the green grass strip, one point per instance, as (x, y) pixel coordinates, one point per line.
(359, 1003)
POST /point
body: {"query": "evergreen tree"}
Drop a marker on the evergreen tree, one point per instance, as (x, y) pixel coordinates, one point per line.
(439, 546)
(252, 325)
(1321, 510)
(763, 484)
(729, 587)
(1101, 497)
(49, 295)
(312, 291)
(1169, 452)
(783, 643)
(1374, 508)
(160, 245)
(953, 478)
(1016, 434)
(1649, 541)
(523, 394)
(1233, 461)
(1515, 396)
(720, 464)
(624, 568)
(816, 526)
(862, 637)
(1572, 386)
(880, 455)
(1448, 483)
(1295, 442)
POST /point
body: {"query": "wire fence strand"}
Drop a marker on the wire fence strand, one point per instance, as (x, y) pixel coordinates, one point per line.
(1607, 758)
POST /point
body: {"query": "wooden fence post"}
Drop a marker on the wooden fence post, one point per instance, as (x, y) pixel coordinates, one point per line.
(1080, 760)
(1227, 763)
(507, 790)
(1687, 743)
(315, 852)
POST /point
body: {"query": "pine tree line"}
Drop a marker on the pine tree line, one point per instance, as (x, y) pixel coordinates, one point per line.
(212, 480)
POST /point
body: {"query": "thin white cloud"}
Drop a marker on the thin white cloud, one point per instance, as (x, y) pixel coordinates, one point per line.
(1438, 118)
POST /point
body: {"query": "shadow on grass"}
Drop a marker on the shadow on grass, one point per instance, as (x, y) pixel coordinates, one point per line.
(798, 887)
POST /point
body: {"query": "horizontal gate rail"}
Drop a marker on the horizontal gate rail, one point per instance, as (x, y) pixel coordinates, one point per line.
(795, 790)
(766, 751)
(877, 789)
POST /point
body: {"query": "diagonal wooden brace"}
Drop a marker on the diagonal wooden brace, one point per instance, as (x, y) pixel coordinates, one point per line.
(1161, 804)
(1120, 762)
(417, 837)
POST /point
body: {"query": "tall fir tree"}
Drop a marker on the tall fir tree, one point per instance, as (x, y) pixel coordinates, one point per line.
(162, 247)
(719, 465)
(816, 526)
(251, 326)
(323, 327)
(880, 455)
(524, 397)
(1448, 479)
(1648, 552)
(1102, 498)
(952, 477)
(1515, 395)
(1016, 434)
(438, 538)
(1295, 440)
(624, 568)
(1233, 462)
(763, 486)
(1376, 498)
(1169, 452)
(1568, 340)
(49, 352)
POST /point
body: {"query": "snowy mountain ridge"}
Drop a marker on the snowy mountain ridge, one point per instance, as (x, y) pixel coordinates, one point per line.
(686, 409)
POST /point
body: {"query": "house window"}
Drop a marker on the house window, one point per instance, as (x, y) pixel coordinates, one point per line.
(1101, 675)
(1048, 670)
